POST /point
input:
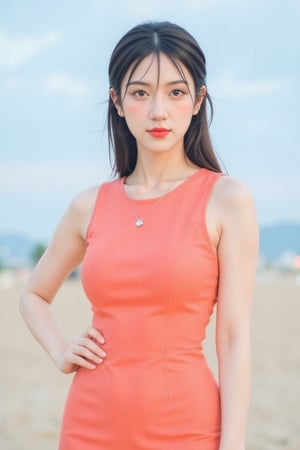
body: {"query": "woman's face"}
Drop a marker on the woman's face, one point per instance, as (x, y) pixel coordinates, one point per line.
(158, 104)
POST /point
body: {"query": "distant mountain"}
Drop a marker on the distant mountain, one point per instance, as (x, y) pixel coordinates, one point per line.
(277, 239)
(16, 250)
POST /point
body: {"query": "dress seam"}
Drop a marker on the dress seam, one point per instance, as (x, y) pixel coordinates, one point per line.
(172, 274)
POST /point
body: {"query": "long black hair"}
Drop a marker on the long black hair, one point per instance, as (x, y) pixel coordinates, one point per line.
(178, 45)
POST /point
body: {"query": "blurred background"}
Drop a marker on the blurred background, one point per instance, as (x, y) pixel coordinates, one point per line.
(53, 92)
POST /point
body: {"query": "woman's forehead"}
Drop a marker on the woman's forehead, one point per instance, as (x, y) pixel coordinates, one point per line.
(157, 67)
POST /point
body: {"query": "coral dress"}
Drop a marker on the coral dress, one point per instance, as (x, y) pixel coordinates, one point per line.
(152, 290)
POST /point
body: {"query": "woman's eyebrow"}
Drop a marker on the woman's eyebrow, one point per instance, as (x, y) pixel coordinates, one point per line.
(177, 82)
(144, 83)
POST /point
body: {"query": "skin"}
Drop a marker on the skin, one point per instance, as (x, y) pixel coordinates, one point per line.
(231, 223)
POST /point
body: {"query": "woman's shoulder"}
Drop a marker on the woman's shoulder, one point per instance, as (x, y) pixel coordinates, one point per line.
(83, 205)
(85, 200)
(232, 198)
(232, 192)
(81, 208)
(231, 211)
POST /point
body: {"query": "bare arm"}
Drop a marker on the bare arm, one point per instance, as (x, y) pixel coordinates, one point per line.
(64, 253)
(237, 252)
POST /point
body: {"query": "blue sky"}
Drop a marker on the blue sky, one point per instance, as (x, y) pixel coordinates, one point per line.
(53, 91)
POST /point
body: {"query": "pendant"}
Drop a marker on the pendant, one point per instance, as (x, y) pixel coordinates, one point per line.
(139, 223)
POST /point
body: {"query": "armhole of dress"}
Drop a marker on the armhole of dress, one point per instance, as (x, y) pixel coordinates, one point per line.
(96, 207)
(211, 185)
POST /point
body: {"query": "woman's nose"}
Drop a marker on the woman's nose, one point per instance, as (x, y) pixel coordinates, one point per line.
(158, 109)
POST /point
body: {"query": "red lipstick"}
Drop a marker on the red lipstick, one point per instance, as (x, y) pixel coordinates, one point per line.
(159, 132)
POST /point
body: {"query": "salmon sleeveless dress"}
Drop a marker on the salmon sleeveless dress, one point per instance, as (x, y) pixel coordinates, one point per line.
(152, 289)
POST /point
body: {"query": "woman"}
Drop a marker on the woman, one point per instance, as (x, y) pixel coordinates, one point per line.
(159, 246)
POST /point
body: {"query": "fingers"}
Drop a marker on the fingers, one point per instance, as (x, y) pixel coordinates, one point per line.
(86, 351)
(78, 361)
(87, 348)
(95, 334)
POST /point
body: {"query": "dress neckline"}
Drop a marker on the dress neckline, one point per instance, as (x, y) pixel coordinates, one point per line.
(173, 191)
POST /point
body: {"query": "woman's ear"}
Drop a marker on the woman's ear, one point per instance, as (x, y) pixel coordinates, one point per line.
(199, 99)
(115, 100)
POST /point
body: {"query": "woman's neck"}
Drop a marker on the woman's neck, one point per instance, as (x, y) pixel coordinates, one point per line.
(157, 175)
(154, 171)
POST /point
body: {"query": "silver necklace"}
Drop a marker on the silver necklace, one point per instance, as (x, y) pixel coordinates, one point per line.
(139, 221)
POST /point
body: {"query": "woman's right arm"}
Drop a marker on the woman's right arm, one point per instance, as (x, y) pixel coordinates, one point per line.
(64, 253)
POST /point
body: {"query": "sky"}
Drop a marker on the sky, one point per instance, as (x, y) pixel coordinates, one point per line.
(54, 86)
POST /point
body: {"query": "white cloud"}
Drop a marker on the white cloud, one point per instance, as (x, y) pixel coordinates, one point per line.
(58, 177)
(276, 197)
(62, 84)
(14, 51)
(9, 85)
(154, 10)
(149, 9)
(56, 84)
(227, 86)
(163, 9)
(241, 4)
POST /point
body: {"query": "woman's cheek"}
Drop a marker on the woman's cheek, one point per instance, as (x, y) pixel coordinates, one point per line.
(133, 108)
(185, 108)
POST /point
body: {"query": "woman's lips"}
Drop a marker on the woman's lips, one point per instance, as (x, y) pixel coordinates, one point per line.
(159, 132)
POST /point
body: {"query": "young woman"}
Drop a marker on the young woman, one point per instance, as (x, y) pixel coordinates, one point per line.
(163, 242)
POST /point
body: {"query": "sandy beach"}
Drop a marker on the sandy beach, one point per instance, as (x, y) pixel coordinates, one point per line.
(33, 392)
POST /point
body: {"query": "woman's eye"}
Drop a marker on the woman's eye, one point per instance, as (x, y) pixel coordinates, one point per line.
(140, 93)
(177, 93)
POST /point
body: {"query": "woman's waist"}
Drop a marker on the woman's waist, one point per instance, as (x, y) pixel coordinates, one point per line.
(142, 340)
(189, 354)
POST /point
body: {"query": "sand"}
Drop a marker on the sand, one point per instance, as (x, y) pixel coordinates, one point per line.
(33, 391)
